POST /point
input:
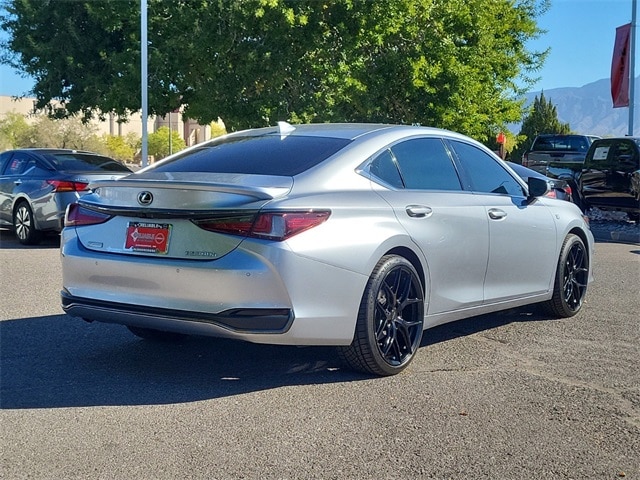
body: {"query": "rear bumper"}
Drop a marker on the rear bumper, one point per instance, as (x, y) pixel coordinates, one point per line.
(258, 293)
(250, 320)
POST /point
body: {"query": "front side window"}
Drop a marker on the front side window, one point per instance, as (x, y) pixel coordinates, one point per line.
(484, 172)
(425, 164)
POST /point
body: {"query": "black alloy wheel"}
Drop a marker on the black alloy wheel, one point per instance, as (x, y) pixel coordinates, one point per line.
(390, 319)
(24, 225)
(571, 280)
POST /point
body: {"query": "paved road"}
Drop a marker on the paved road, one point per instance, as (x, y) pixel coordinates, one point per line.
(508, 396)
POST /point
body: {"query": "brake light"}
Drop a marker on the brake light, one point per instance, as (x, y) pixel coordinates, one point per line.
(568, 190)
(67, 186)
(525, 160)
(77, 215)
(277, 226)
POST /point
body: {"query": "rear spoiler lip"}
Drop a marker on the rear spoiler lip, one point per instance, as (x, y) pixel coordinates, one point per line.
(257, 192)
(159, 213)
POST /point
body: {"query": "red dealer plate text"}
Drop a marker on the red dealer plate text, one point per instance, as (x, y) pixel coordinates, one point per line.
(148, 237)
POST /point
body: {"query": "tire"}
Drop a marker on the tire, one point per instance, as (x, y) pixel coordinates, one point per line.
(24, 225)
(155, 335)
(390, 319)
(570, 286)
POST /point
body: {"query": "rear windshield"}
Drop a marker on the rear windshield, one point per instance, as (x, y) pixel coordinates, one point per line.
(264, 155)
(85, 162)
(562, 143)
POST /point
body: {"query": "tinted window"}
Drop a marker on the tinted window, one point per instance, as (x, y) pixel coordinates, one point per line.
(625, 156)
(384, 167)
(485, 173)
(561, 143)
(4, 159)
(20, 164)
(425, 164)
(85, 162)
(265, 155)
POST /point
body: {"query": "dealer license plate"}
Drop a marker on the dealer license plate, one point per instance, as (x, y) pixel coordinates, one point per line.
(148, 237)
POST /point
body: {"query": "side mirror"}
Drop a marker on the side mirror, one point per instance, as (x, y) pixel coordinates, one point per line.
(538, 187)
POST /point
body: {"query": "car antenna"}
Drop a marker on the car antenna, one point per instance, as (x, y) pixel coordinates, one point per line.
(285, 128)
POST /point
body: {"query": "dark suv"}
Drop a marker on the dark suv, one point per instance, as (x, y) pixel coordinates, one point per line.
(610, 179)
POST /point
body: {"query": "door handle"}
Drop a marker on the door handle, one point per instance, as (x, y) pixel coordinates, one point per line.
(418, 211)
(497, 214)
(17, 182)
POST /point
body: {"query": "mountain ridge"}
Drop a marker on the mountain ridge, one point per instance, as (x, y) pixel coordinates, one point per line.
(589, 109)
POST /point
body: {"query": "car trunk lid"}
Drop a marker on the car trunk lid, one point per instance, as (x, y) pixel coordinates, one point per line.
(157, 213)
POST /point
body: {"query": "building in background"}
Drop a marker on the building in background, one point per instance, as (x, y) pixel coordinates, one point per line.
(190, 131)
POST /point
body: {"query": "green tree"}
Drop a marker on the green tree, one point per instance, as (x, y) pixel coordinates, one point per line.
(450, 63)
(159, 145)
(15, 132)
(543, 118)
(121, 148)
(69, 132)
(217, 128)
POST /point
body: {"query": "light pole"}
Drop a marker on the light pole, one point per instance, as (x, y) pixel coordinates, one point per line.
(144, 86)
(632, 67)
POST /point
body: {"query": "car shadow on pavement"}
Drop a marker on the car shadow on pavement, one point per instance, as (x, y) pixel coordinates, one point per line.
(8, 240)
(57, 361)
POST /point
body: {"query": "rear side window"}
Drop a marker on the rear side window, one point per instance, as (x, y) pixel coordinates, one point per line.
(20, 164)
(384, 167)
(625, 156)
(264, 155)
(426, 165)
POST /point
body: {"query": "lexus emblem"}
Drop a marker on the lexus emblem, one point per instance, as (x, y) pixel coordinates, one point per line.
(145, 198)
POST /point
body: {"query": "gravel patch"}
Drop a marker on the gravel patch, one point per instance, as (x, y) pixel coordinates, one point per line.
(613, 226)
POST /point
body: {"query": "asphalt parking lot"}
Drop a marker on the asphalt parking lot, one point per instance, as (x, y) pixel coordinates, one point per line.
(514, 395)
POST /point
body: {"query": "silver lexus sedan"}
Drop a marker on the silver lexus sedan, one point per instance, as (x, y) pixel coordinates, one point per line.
(354, 235)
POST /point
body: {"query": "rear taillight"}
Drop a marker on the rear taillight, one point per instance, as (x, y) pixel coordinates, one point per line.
(67, 186)
(525, 160)
(77, 215)
(568, 191)
(269, 225)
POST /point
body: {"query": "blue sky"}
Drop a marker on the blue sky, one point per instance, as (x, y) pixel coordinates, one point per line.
(580, 33)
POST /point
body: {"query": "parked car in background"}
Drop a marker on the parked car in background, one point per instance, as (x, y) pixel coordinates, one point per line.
(36, 185)
(354, 235)
(560, 157)
(557, 188)
(610, 179)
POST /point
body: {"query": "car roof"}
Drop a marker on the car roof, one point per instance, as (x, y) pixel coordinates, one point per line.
(608, 139)
(347, 131)
(52, 150)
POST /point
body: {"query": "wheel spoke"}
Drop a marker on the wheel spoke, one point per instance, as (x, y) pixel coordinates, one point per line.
(23, 223)
(575, 277)
(398, 298)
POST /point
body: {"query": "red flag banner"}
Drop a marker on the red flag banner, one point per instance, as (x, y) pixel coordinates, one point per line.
(620, 67)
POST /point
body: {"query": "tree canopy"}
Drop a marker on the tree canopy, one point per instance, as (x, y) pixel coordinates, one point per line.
(542, 118)
(458, 64)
